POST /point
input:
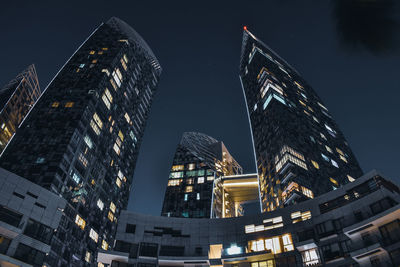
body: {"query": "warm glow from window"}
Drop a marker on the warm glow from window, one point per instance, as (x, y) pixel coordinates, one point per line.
(110, 216)
(80, 222)
(112, 207)
(93, 235)
(118, 182)
(104, 245)
(188, 189)
(177, 167)
(315, 164)
(69, 104)
(215, 251)
(200, 180)
(55, 104)
(334, 181)
(174, 182)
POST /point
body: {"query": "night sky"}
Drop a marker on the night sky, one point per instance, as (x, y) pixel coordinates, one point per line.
(346, 49)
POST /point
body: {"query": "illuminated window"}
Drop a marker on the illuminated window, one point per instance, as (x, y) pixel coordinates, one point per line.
(116, 149)
(76, 178)
(55, 104)
(104, 245)
(340, 151)
(191, 166)
(210, 178)
(315, 164)
(92, 52)
(107, 98)
(310, 257)
(323, 136)
(334, 163)
(200, 180)
(307, 192)
(121, 136)
(177, 167)
(116, 78)
(125, 58)
(112, 207)
(176, 175)
(110, 216)
(334, 181)
(185, 198)
(174, 182)
(198, 196)
(98, 120)
(93, 235)
(88, 141)
(94, 61)
(114, 85)
(188, 189)
(80, 222)
(257, 245)
(351, 179)
(325, 157)
(299, 216)
(123, 64)
(87, 256)
(328, 149)
(189, 181)
(287, 243)
(343, 158)
(269, 98)
(100, 204)
(127, 118)
(94, 127)
(69, 104)
(99, 264)
(83, 160)
(268, 263)
(215, 251)
(118, 182)
(289, 157)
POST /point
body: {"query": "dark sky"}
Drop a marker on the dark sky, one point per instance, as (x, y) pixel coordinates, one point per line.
(346, 49)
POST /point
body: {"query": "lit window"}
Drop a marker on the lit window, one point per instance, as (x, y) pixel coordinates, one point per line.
(210, 178)
(257, 245)
(97, 120)
(69, 104)
(132, 135)
(174, 182)
(188, 189)
(94, 127)
(83, 160)
(268, 263)
(106, 101)
(110, 216)
(93, 235)
(310, 257)
(191, 166)
(55, 104)
(116, 149)
(198, 196)
(200, 180)
(323, 136)
(121, 136)
(88, 141)
(127, 118)
(269, 98)
(328, 149)
(125, 58)
(177, 167)
(287, 243)
(334, 181)
(100, 204)
(104, 245)
(185, 197)
(351, 179)
(334, 163)
(189, 181)
(343, 158)
(315, 164)
(92, 52)
(80, 222)
(76, 178)
(307, 192)
(112, 207)
(176, 175)
(116, 78)
(325, 157)
(87, 256)
(123, 64)
(299, 216)
(118, 182)
(114, 85)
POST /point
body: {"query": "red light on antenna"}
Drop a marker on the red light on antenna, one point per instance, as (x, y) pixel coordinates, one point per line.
(245, 28)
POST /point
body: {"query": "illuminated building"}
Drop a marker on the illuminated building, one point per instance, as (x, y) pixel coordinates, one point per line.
(81, 139)
(16, 100)
(198, 159)
(356, 225)
(299, 150)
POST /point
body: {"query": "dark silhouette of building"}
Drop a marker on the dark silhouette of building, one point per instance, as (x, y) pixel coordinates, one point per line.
(16, 100)
(198, 160)
(81, 140)
(299, 149)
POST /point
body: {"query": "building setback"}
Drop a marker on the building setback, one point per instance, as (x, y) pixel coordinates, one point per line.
(198, 159)
(355, 225)
(81, 139)
(16, 100)
(300, 151)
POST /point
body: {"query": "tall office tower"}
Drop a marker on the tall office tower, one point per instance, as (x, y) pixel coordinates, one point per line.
(81, 139)
(299, 149)
(16, 99)
(198, 159)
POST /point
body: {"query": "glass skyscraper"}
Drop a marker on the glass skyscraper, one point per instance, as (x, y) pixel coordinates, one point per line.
(82, 137)
(300, 151)
(198, 159)
(16, 100)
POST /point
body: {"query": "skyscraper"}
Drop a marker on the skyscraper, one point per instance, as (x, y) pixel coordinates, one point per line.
(16, 99)
(198, 159)
(300, 151)
(81, 139)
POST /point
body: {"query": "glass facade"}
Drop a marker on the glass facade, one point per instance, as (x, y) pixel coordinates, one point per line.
(81, 140)
(299, 149)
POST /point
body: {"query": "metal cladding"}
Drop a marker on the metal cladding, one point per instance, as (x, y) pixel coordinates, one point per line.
(300, 151)
(198, 159)
(82, 138)
(16, 100)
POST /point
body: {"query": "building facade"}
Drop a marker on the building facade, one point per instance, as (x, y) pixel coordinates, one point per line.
(16, 100)
(355, 225)
(198, 159)
(82, 137)
(300, 151)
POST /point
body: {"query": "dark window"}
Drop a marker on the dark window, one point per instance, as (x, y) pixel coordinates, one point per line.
(172, 251)
(9, 216)
(18, 195)
(382, 205)
(141, 264)
(390, 232)
(130, 228)
(38, 231)
(148, 249)
(4, 243)
(29, 255)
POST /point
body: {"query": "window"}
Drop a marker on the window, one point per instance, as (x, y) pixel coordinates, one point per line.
(257, 245)
(391, 232)
(334, 181)
(315, 164)
(110, 216)
(334, 163)
(188, 189)
(351, 179)
(104, 245)
(80, 222)
(55, 104)
(76, 178)
(200, 180)
(29, 255)
(307, 192)
(38, 231)
(325, 157)
(185, 198)
(88, 141)
(127, 118)
(310, 257)
(100, 204)
(69, 104)
(210, 178)
(94, 127)
(112, 207)
(268, 263)
(191, 166)
(198, 196)
(328, 149)
(87, 256)
(93, 235)
(130, 228)
(176, 175)
(118, 182)
(123, 64)
(98, 120)
(174, 182)
(287, 243)
(177, 168)
(83, 160)
(299, 216)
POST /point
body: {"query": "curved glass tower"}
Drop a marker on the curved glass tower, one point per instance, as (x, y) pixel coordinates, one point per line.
(299, 149)
(198, 159)
(82, 137)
